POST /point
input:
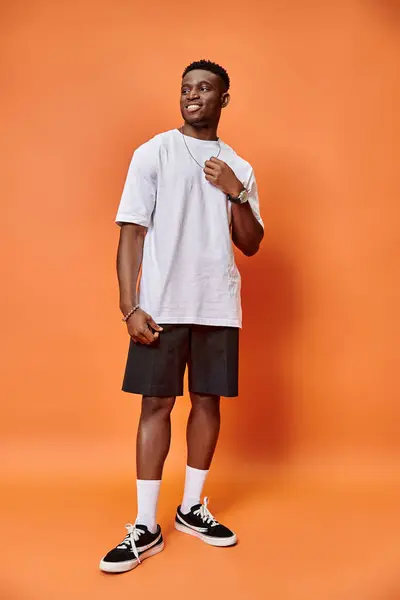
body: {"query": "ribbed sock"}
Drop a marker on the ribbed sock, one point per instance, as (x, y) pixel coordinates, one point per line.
(148, 491)
(194, 484)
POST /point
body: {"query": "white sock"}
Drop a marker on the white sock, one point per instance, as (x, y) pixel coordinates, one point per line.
(194, 484)
(148, 491)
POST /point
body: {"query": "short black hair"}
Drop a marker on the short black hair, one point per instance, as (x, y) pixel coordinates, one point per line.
(208, 65)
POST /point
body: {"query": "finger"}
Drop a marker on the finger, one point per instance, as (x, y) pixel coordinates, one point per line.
(148, 334)
(142, 339)
(209, 171)
(209, 164)
(211, 179)
(134, 340)
(154, 325)
(140, 336)
(216, 161)
(155, 334)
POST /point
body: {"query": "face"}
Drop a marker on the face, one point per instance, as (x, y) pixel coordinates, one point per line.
(203, 96)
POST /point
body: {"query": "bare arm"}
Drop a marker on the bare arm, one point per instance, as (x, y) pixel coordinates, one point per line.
(129, 260)
(247, 232)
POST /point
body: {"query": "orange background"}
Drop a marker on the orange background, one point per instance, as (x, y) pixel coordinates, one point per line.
(308, 466)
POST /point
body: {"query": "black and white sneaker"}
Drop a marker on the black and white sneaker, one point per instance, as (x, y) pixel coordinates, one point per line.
(201, 523)
(138, 545)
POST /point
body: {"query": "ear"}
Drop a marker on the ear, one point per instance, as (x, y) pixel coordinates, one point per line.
(225, 100)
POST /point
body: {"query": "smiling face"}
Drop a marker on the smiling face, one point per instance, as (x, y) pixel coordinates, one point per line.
(203, 95)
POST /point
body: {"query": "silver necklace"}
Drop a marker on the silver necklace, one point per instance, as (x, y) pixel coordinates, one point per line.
(187, 148)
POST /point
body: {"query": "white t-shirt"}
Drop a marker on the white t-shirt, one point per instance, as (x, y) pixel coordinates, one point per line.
(189, 273)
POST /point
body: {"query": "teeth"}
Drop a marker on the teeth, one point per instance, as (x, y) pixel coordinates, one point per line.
(192, 107)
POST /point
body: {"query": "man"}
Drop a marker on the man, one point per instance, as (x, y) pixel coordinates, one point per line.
(186, 197)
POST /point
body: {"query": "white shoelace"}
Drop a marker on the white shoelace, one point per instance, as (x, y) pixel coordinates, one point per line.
(205, 514)
(131, 538)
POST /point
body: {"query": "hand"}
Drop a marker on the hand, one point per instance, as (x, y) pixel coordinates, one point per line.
(221, 175)
(139, 330)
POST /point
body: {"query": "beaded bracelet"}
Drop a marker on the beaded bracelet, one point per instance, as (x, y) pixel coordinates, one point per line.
(130, 313)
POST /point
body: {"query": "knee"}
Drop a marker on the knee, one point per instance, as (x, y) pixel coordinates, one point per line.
(154, 407)
(206, 404)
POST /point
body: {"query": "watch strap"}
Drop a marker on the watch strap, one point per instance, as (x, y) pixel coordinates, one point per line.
(241, 199)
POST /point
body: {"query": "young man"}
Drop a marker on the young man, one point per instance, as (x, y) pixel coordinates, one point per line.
(186, 197)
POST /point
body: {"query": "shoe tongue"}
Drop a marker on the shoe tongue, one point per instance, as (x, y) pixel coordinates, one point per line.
(195, 507)
(142, 527)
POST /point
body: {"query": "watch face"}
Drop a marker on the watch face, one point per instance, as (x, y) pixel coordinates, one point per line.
(241, 199)
(243, 196)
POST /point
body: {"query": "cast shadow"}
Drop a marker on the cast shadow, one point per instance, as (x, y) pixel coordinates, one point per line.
(262, 421)
(387, 11)
(266, 392)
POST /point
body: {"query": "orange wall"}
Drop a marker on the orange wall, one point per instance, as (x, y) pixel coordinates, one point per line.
(315, 100)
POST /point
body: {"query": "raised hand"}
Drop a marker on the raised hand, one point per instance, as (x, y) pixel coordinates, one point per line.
(221, 175)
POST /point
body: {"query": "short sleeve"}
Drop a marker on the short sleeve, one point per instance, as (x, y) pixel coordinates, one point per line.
(139, 194)
(251, 186)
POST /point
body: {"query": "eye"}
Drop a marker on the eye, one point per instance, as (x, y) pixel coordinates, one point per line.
(204, 88)
(185, 91)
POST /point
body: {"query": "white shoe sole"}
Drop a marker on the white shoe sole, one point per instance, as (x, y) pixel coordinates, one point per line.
(128, 565)
(211, 541)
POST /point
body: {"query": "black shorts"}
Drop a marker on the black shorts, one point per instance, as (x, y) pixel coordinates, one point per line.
(211, 353)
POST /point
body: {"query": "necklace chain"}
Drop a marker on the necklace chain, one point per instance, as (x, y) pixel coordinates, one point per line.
(187, 148)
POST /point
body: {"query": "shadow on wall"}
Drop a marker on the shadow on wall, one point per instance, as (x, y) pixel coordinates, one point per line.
(267, 397)
(262, 421)
(389, 10)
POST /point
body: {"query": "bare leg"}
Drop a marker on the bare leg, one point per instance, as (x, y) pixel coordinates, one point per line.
(203, 430)
(153, 437)
(202, 435)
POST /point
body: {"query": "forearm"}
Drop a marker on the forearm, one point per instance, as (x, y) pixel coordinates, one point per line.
(247, 232)
(129, 260)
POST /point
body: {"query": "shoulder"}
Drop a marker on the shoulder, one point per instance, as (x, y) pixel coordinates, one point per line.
(235, 161)
(154, 144)
(145, 158)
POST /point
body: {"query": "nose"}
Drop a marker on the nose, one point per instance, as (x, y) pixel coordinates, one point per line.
(193, 94)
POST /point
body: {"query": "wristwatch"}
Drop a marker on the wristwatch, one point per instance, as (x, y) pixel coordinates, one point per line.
(241, 199)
